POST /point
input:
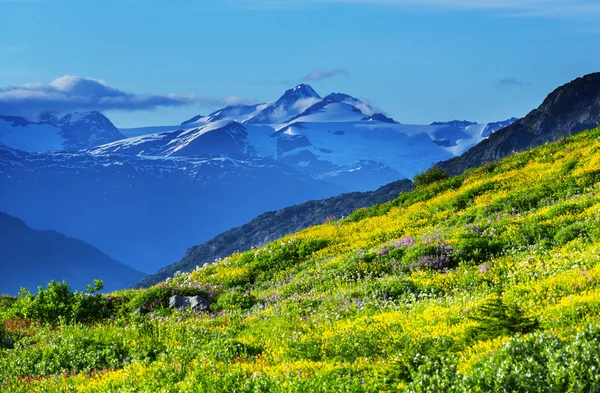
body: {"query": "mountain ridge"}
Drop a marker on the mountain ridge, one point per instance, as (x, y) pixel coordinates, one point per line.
(569, 109)
(22, 250)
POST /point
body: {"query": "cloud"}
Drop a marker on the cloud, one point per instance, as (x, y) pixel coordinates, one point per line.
(528, 8)
(69, 93)
(509, 81)
(318, 75)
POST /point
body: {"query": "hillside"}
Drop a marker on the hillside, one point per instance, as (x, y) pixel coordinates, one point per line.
(30, 258)
(488, 281)
(569, 109)
(273, 225)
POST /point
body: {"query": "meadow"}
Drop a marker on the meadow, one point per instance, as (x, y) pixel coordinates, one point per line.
(488, 281)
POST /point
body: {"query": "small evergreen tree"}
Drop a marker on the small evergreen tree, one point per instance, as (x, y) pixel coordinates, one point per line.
(496, 318)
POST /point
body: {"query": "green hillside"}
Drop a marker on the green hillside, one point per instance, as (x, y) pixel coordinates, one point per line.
(488, 281)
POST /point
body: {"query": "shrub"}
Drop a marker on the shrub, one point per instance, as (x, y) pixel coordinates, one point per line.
(5, 340)
(280, 255)
(432, 175)
(475, 247)
(56, 302)
(229, 350)
(495, 319)
(433, 254)
(235, 299)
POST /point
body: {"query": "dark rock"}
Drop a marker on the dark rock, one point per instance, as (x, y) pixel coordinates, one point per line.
(195, 303)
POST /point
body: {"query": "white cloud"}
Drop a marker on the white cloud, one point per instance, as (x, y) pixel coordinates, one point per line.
(70, 93)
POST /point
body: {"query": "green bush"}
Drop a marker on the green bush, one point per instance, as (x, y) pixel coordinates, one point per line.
(495, 319)
(56, 302)
(235, 299)
(229, 350)
(432, 175)
(280, 255)
(476, 247)
(392, 288)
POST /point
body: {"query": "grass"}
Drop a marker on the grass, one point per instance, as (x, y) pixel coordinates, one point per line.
(489, 281)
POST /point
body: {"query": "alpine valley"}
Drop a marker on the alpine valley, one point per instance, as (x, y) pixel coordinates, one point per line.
(143, 196)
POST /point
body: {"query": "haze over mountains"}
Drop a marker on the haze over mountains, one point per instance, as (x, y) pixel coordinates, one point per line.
(145, 199)
(31, 258)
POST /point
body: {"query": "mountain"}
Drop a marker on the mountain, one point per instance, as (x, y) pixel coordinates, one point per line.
(569, 109)
(273, 225)
(146, 211)
(84, 129)
(339, 139)
(31, 257)
(238, 113)
(292, 102)
(52, 131)
(19, 133)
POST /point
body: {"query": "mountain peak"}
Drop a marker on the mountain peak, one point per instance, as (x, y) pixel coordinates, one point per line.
(301, 91)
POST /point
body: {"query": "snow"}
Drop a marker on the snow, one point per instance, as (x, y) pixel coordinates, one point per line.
(31, 138)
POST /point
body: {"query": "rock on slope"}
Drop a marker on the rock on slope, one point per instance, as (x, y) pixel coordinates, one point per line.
(570, 109)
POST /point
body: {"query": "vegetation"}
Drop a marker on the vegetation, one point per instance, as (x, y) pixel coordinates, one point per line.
(489, 281)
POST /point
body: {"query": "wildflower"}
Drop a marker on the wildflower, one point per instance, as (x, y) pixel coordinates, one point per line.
(484, 268)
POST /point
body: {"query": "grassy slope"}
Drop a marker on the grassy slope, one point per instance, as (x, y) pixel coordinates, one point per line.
(382, 304)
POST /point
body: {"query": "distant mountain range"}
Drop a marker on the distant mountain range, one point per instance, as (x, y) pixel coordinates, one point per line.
(31, 258)
(339, 139)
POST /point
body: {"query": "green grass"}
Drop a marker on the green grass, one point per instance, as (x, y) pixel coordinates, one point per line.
(489, 281)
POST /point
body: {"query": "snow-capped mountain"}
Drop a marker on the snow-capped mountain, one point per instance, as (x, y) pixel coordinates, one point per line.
(493, 127)
(144, 199)
(19, 133)
(84, 129)
(144, 211)
(51, 131)
(338, 138)
(457, 136)
(292, 102)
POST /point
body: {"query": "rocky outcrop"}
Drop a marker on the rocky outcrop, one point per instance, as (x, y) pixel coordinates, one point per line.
(195, 303)
(568, 110)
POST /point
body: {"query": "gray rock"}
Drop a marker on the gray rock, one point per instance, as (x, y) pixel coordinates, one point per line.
(196, 303)
(199, 304)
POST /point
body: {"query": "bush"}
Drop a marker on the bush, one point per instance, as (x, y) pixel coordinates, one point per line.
(432, 175)
(157, 297)
(235, 299)
(496, 319)
(56, 302)
(433, 254)
(280, 255)
(475, 247)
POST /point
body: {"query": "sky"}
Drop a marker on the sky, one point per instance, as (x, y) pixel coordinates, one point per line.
(145, 62)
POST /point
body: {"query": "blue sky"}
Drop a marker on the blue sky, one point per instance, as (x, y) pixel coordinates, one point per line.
(420, 61)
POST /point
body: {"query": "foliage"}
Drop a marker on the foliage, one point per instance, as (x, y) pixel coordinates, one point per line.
(56, 302)
(430, 176)
(495, 319)
(397, 297)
